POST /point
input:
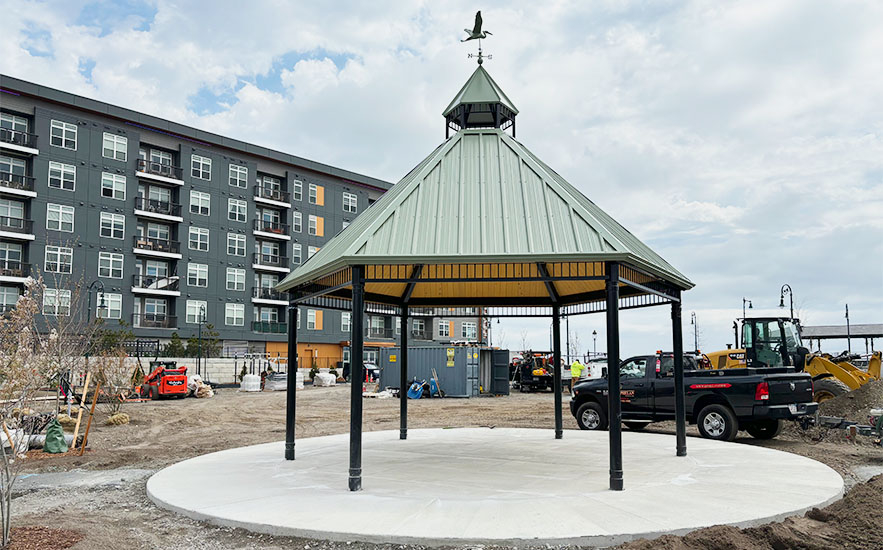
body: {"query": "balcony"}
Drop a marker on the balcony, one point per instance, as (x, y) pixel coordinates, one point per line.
(273, 230)
(270, 262)
(152, 208)
(14, 269)
(379, 332)
(152, 284)
(154, 320)
(151, 246)
(268, 294)
(17, 184)
(16, 228)
(275, 197)
(269, 327)
(16, 140)
(420, 335)
(158, 171)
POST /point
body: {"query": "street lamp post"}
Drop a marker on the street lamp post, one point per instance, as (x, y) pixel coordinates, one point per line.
(199, 341)
(848, 335)
(695, 331)
(786, 289)
(744, 302)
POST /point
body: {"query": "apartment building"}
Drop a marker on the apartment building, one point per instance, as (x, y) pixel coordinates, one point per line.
(181, 227)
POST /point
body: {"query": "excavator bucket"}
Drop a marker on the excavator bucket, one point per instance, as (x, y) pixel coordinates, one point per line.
(874, 365)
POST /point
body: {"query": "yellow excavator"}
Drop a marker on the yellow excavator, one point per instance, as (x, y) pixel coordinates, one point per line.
(775, 342)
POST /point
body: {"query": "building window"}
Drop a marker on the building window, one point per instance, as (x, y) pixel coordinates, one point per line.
(198, 239)
(350, 203)
(345, 225)
(196, 311)
(113, 186)
(14, 123)
(110, 265)
(197, 274)
(316, 226)
(60, 218)
(238, 176)
(113, 306)
(234, 315)
(311, 250)
(200, 203)
(8, 296)
(235, 279)
(268, 315)
(297, 222)
(237, 210)
(311, 319)
(115, 147)
(469, 330)
(314, 193)
(235, 244)
(56, 301)
(419, 326)
(296, 252)
(345, 320)
(113, 226)
(58, 259)
(297, 190)
(63, 135)
(444, 329)
(62, 176)
(201, 167)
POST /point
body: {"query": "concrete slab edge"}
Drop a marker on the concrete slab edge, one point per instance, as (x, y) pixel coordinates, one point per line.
(600, 541)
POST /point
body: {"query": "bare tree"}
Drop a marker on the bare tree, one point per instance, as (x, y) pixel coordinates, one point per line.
(523, 340)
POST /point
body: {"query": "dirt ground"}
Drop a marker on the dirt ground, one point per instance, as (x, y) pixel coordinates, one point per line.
(102, 494)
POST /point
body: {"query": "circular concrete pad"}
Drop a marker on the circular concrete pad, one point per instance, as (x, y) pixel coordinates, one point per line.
(505, 486)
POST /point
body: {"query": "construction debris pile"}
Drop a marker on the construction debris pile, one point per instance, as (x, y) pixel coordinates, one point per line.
(855, 404)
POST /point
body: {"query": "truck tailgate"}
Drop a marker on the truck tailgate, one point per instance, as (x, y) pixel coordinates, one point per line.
(789, 388)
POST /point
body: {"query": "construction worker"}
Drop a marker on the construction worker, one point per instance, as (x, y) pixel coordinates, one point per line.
(576, 371)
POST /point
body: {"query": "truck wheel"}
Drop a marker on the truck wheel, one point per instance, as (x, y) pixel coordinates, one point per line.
(636, 426)
(828, 388)
(765, 429)
(590, 416)
(717, 422)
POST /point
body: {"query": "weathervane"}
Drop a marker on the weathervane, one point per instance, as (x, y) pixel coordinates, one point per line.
(477, 33)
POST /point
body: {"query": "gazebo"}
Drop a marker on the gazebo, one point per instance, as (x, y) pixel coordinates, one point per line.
(483, 223)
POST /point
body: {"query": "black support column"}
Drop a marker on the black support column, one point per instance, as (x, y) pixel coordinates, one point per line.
(556, 358)
(291, 390)
(613, 387)
(403, 375)
(680, 404)
(357, 374)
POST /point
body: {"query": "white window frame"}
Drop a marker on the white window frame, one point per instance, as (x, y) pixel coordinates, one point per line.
(297, 190)
(192, 311)
(15, 123)
(113, 186)
(238, 176)
(237, 210)
(197, 275)
(117, 146)
(112, 226)
(469, 330)
(63, 174)
(63, 261)
(297, 222)
(200, 232)
(237, 240)
(56, 301)
(202, 201)
(311, 251)
(236, 279)
(62, 129)
(314, 194)
(296, 254)
(234, 315)
(62, 212)
(113, 304)
(313, 226)
(200, 167)
(111, 265)
(446, 333)
(311, 319)
(345, 321)
(350, 202)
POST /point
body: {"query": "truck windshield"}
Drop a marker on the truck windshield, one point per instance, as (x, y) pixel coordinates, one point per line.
(767, 340)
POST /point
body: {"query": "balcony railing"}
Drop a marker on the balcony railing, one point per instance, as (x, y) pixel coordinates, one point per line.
(379, 332)
(420, 335)
(268, 294)
(17, 181)
(17, 137)
(271, 227)
(154, 320)
(157, 245)
(6, 308)
(269, 327)
(272, 194)
(154, 282)
(157, 207)
(14, 268)
(160, 169)
(273, 260)
(16, 225)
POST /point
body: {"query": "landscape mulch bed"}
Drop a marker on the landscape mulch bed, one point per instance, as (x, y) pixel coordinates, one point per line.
(44, 538)
(38, 454)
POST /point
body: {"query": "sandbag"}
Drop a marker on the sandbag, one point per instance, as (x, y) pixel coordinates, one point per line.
(55, 442)
(324, 379)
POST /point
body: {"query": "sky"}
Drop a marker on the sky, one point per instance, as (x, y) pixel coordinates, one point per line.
(740, 140)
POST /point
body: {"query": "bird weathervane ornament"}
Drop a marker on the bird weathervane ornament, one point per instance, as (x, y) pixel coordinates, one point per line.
(477, 34)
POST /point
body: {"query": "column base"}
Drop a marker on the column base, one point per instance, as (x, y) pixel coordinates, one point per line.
(616, 483)
(289, 451)
(403, 434)
(355, 482)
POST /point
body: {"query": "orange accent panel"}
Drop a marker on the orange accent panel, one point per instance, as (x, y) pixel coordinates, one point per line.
(319, 313)
(320, 195)
(320, 225)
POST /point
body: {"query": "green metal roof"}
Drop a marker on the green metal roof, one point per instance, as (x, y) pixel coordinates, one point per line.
(482, 197)
(480, 88)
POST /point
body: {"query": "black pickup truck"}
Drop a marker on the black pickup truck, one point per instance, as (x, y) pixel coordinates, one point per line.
(720, 402)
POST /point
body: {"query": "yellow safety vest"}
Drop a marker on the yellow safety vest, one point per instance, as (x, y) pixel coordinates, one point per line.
(576, 369)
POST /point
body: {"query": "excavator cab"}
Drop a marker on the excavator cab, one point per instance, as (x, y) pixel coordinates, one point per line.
(773, 342)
